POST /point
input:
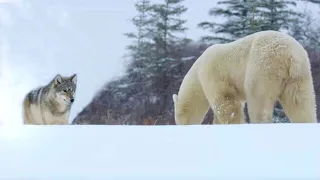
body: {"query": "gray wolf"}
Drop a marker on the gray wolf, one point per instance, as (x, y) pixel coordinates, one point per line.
(50, 104)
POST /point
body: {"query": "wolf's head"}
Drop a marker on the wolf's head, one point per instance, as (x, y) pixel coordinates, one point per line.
(64, 88)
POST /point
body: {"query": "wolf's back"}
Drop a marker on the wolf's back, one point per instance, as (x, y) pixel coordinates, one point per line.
(30, 99)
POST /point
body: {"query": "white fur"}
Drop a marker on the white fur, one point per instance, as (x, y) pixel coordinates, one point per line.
(260, 69)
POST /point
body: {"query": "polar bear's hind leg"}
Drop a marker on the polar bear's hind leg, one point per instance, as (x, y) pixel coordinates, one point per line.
(298, 101)
(261, 99)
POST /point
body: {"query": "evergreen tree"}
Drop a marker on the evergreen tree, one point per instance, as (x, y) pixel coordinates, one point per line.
(155, 49)
(244, 17)
(167, 25)
(156, 42)
(139, 53)
(141, 39)
(240, 20)
(307, 31)
(276, 14)
(167, 32)
(297, 29)
(312, 1)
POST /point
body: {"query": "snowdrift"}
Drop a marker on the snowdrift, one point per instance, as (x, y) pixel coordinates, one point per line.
(220, 152)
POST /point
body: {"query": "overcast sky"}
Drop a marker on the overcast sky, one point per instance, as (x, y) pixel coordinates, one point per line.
(40, 38)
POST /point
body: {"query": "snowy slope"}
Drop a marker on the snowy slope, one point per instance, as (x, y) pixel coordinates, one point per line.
(275, 151)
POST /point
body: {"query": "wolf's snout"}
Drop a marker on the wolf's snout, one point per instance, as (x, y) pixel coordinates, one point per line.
(72, 100)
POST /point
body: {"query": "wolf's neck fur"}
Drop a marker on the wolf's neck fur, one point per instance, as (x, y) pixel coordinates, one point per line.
(54, 106)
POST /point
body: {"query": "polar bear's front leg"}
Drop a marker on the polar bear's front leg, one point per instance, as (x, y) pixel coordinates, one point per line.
(227, 110)
(223, 100)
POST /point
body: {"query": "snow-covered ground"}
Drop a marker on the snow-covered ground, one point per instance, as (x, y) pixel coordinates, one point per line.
(225, 152)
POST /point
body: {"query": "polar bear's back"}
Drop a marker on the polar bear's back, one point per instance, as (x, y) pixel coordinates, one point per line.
(267, 53)
(240, 49)
(279, 52)
(259, 50)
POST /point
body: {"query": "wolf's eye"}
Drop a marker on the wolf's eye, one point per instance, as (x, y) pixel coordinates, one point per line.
(64, 90)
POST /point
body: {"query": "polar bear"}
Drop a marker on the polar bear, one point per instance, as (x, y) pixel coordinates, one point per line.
(260, 68)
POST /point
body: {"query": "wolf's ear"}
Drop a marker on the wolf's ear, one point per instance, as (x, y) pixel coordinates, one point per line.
(57, 80)
(175, 98)
(73, 78)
